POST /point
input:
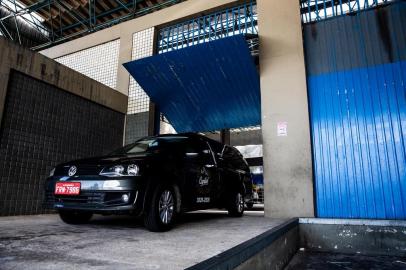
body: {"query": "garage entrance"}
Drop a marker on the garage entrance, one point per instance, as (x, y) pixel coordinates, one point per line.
(204, 78)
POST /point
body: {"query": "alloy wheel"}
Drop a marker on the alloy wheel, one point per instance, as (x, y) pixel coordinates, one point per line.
(240, 202)
(166, 206)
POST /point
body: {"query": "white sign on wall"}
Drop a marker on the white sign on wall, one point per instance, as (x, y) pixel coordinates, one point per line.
(282, 129)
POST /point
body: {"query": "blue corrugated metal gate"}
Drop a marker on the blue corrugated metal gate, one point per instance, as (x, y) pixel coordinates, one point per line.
(356, 68)
(205, 87)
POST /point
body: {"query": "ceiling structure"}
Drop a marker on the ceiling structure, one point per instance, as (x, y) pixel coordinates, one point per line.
(44, 23)
(62, 20)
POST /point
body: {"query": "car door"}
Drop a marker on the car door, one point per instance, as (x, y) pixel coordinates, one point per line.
(219, 188)
(240, 167)
(231, 171)
(200, 173)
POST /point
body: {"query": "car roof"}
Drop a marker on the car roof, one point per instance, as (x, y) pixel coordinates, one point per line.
(188, 134)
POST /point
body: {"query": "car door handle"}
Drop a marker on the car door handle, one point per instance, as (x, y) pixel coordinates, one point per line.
(209, 165)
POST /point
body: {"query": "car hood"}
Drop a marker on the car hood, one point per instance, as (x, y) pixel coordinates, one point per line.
(109, 160)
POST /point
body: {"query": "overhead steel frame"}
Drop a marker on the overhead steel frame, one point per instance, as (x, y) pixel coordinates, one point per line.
(317, 10)
(241, 19)
(90, 23)
(16, 12)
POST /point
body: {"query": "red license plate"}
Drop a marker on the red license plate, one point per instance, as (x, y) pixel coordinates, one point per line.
(67, 188)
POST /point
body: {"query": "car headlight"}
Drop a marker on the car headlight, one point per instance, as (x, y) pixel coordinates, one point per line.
(52, 172)
(132, 170)
(120, 170)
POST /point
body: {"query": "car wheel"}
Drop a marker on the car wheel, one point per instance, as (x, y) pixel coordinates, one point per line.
(75, 217)
(236, 204)
(162, 211)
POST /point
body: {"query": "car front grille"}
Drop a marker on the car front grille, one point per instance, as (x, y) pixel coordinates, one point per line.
(83, 198)
(81, 170)
(88, 170)
(97, 198)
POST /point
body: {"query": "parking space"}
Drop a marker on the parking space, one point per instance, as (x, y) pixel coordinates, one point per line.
(45, 242)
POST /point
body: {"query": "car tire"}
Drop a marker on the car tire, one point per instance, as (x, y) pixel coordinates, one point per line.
(160, 216)
(236, 204)
(75, 217)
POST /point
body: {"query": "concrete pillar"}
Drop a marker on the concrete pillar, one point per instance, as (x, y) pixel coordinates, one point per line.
(285, 117)
(225, 136)
(123, 78)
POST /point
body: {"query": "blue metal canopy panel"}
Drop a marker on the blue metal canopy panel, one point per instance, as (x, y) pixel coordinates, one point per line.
(206, 87)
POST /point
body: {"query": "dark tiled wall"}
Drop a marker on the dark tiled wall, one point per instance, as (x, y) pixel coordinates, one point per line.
(136, 127)
(41, 127)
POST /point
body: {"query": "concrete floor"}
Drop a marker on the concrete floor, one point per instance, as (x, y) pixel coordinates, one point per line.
(45, 242)
(320, 261)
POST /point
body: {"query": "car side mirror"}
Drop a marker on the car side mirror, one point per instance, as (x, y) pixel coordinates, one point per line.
(191, 154)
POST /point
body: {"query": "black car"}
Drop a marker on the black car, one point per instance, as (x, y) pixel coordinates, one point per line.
(156, 177)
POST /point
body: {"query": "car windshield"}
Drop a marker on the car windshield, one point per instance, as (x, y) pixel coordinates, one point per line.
(140, 146)
(147, 145)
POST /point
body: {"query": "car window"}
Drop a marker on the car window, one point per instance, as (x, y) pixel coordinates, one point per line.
(140, 146)
(201, 147)
(172, 144)
(234, 159)
(217, 149)
(189, 146)
(150, 144)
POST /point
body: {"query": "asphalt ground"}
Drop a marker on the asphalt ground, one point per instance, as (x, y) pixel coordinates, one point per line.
(121, 242)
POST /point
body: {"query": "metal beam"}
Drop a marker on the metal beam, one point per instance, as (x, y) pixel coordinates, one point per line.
(72, 11)
(52, 21)
(19, 14)
(6, 31)
(90, 22)
(114, 10)
(16, 24)
(103, 14)
(315, 10)
(123, 5)
(90, 14)
(32, 8)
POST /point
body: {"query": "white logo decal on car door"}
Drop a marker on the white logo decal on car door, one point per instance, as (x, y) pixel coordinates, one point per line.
(204, 177)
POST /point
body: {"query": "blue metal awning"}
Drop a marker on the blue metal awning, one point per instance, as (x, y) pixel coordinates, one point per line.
(206, 87)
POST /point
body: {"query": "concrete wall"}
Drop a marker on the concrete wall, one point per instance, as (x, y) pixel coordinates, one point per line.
(136, 127)
(354, 236)
(240, 138)
(246, 137)
(275, 248)
(287, 159)
(270, 250)
(275, 256)
(49, 115)
(49, 71)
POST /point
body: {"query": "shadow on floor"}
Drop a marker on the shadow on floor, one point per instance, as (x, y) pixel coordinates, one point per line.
(132, 222)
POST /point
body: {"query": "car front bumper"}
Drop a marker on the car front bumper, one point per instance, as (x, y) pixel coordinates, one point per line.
(97, 197)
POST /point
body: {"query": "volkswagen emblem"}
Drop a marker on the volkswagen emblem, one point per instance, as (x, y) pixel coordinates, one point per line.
(72, 171)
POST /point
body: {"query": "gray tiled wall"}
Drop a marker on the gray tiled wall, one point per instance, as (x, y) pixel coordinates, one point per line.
(41, 127)
(136, 126)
